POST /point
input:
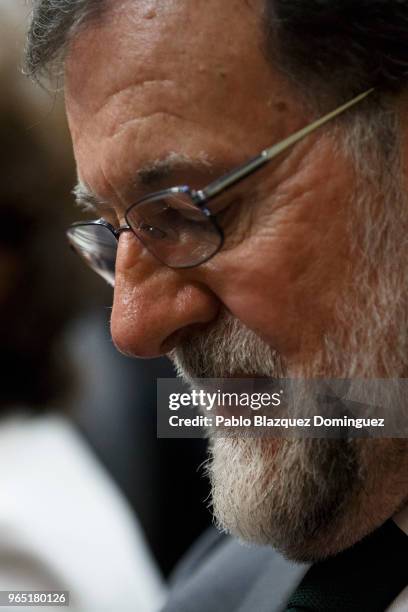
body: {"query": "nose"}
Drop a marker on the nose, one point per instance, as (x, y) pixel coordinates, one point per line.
(154, 306)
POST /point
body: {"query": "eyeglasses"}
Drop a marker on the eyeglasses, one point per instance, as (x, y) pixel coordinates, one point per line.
(176, 225)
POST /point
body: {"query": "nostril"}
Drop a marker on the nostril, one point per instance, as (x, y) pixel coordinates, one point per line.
(172, 341)
(181, 335)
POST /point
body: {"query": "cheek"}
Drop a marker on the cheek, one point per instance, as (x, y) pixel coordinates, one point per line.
(283, 281)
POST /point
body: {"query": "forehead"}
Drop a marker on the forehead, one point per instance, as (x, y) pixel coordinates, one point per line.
(156, 76)
(205, 46)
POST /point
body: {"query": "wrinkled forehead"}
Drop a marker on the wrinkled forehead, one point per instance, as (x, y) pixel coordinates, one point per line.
(147, 79)
(145, 40)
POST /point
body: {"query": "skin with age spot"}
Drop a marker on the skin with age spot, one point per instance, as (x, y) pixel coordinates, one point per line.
(150, 14)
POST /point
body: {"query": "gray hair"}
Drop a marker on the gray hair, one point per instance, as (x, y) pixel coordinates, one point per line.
(52, 24)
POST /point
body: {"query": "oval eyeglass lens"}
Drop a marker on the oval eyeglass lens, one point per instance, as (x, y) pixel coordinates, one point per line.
(176, 231)
(97, 246)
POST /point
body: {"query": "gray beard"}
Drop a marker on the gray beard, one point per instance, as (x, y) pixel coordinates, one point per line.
(308, 497)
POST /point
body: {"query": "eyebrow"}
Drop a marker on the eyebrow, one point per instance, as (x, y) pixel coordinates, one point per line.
(149, 176)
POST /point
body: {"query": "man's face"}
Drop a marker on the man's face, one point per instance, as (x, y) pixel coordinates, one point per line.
(186, 87)
(189, 78)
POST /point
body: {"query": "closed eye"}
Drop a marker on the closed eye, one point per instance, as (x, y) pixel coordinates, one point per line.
(152, 231)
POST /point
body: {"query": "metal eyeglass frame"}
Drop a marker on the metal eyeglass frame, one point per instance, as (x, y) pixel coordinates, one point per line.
(201, 197)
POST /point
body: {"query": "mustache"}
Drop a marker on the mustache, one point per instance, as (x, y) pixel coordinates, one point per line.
(226, 349)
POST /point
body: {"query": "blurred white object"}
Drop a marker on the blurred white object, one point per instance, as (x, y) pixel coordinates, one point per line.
(64, 525)
(400, 604)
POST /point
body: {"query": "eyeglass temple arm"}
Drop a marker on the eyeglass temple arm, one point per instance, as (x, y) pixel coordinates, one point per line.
(243, 171)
